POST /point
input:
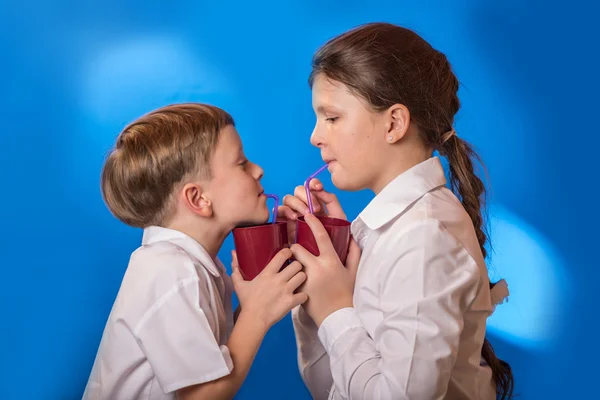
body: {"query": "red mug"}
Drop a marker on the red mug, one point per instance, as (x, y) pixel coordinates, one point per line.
(338, 230)
(257, 245)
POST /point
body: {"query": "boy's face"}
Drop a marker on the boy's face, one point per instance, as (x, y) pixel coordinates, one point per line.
(235, 191)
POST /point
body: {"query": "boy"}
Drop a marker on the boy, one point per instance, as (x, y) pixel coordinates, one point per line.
(180, 174)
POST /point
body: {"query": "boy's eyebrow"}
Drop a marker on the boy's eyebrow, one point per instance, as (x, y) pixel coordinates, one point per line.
(239, 152)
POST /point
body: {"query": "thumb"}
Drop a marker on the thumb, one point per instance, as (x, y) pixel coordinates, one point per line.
(237, 278)
(234, 260)
(315, 184)
(334, 208)
(353, 258)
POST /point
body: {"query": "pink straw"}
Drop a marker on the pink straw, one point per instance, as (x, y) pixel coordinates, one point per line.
(274, 197)
(307, 187)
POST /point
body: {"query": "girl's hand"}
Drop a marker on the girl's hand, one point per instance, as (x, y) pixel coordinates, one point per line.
(296, 205)
(329, 285)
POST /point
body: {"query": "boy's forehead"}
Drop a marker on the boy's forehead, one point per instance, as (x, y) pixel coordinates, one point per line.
(229, 139)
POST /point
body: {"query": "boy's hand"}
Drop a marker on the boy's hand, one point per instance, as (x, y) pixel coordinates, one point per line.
(263, 302)
(295, 206)
(270, 296)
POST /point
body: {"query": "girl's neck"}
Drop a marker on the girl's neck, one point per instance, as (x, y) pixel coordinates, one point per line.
(400, 162)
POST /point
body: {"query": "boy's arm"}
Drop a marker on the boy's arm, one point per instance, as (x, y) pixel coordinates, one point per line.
(236, 314)
(265, 300)
(243, 345)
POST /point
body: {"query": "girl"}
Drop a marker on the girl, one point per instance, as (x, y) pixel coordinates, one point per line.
(411, 324)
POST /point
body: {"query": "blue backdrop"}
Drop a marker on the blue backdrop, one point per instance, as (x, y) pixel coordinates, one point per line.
(73, 74)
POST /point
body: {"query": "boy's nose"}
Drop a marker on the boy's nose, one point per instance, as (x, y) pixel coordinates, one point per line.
(259, 172)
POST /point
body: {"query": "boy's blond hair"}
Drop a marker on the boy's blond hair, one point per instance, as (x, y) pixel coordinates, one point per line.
(155, 153)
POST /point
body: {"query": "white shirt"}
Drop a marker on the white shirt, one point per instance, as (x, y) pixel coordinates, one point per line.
(169, 324)
(421, 301)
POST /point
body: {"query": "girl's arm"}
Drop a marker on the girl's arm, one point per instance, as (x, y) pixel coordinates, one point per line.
(427, 281)
(313, 361)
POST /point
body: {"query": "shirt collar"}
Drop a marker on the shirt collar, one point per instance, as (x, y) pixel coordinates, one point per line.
(154, 234)
(400, 193)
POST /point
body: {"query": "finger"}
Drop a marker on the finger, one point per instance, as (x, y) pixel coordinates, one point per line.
(300, 192)
(237, 279)
(288, 272)
(299, 298)
(303, 256)
(296, 204)
(296, 281)
(275, 264)
(331, 202)
(321, 236)
(315, 184)
(353, 259)
(234, 260)
(286, 213)
(291, 231)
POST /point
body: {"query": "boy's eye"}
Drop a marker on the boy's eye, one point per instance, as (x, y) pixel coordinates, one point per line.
(331, 119)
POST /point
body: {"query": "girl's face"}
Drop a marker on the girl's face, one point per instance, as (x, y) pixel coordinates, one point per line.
(352, 138)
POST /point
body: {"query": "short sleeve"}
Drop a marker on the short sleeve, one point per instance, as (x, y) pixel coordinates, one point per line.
(178, 342)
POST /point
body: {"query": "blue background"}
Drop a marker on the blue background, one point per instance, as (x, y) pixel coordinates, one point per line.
(73, 74)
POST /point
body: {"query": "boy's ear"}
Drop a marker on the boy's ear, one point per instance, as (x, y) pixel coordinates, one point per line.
(196, 201)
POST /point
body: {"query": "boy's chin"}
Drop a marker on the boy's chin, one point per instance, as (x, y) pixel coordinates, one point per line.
(258, 219)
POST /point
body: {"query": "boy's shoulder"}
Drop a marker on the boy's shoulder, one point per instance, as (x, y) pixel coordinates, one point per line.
(172, 247)
(156, 272)
(162, 256)
(164, 264)
(172, 261)
(159, 277)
